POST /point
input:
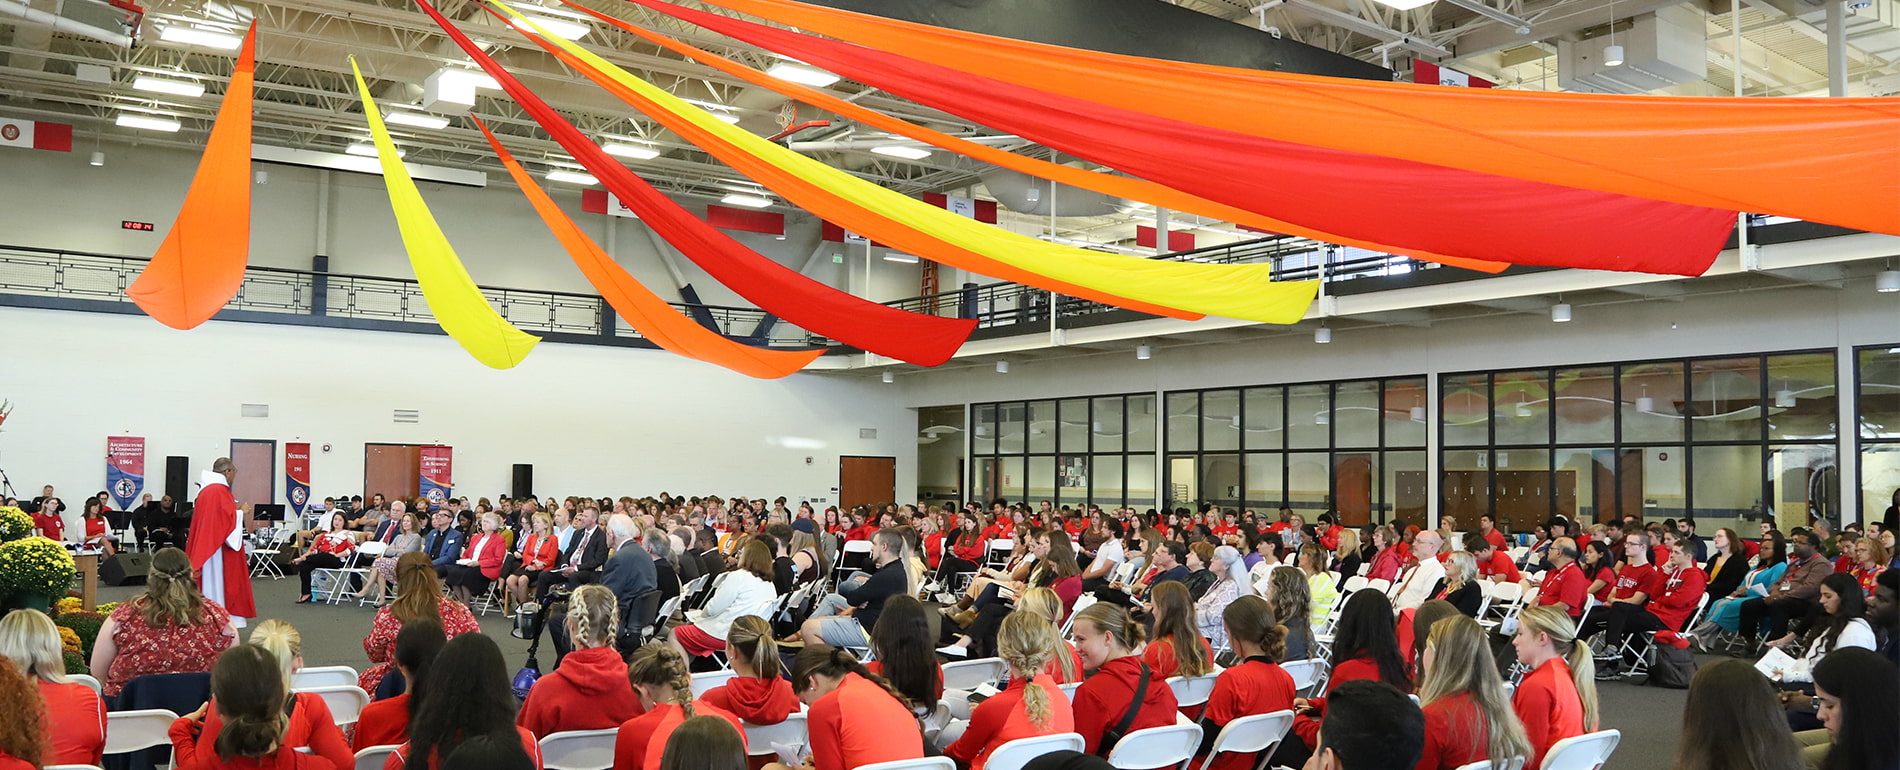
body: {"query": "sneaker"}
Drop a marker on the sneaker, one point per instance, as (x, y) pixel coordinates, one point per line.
(1609, 673)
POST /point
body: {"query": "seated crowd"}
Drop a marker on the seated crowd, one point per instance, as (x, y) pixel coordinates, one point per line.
(1088, 613)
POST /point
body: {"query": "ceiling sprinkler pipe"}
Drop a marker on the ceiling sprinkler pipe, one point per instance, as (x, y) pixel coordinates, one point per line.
(63, 24)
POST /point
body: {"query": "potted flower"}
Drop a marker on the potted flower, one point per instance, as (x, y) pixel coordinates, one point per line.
(14, 524)
(33, 570)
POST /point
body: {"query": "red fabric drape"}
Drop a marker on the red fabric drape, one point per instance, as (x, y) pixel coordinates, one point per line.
(1404, 203)
(779, 290)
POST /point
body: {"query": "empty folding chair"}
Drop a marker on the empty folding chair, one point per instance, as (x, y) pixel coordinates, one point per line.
(791, 732)
(1257, 734)
(996, 556)
(579, 749)
(969, 674)
(264, 560)
(1156, 747)
(373, 757)
(1014, 754)
(1190, 691)
(1584, 752)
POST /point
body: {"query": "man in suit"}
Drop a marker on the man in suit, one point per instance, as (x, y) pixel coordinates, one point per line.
(711, 561)
(629, 572)
(580, 564)
(443, 543)
(390, 527)
(689, 566)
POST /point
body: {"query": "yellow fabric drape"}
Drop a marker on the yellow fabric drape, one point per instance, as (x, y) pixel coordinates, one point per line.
(454, 299)
(1236, 291)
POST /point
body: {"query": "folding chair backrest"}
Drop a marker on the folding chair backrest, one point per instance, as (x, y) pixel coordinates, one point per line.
(1584, 752)
(323, 676)
(1192, 691)
(1381, 585)
(1069, 689)
(87, 681)
(1256, 733)
(857, 546)
(346, 702)
(1156, 747)
(759, 738)
(373, 757)
(1516, 763)
(579, 749)
(1354, 583)
(141, 729)
(372, 549)
(967, 674)
(706, 680)
(1305, 673)
(1014, 754)
(922, 763)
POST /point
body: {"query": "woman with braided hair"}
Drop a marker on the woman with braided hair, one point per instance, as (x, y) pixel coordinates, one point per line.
(881, 727)
(588, 689)
(659, 674)
(1031, 706)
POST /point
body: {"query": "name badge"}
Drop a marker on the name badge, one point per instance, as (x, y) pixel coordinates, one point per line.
(1787, 586)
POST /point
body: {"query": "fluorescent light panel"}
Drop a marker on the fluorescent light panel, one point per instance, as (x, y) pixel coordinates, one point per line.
(416, 119)
(799, 73)
(907, 259)
(369, 150)
(147, 122)
(201, 37)
(163, 86)
(572, 177)
(633, 151)
(904, 151)
(749, 201)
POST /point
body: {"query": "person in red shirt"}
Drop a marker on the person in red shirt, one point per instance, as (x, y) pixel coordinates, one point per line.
(328, 552)
(1488, 529)
(249, 690)
(1564, 585)
(74, 716)
(1599, 569)
(1365, 646)
(1256, 685)
(309, 725)
(658, 673)
(48, 521)
(466, 694)
(1107, 639)
(1558, 698)
(1679, 588)
(1636, 581)
(1468, 717)
(1178, 648)
(967, 547)
(588, 689)
(833, 684)
(386, 722)
(1030, 706)
(1494, 563)
(756, 693)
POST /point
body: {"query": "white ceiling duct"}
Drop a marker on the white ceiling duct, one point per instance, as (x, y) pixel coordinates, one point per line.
(1033, 195)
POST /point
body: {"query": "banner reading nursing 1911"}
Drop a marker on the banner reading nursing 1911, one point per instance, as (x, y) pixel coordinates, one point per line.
(125, 469)
(437, 463)
(297, 477)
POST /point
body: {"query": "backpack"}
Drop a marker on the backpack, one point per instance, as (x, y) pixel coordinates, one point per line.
(1673, 668)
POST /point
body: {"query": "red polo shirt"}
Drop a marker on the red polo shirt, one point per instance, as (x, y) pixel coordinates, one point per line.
(1567, 585)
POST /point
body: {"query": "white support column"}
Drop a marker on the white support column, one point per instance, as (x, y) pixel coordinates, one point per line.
(1161, 451)
(1433, 475)
(1846, 454)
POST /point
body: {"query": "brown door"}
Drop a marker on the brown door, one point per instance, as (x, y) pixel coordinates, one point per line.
(1409, 500)
(1566, 492)
(866, 481)
(1629, 483)
(1352, 488)
(392, 470)
(256, 482)
(1609, 504)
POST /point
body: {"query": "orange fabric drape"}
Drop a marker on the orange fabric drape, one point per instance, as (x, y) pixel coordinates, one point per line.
(1108, 184)
(1825, 160)
(645, 311)
(200, 265)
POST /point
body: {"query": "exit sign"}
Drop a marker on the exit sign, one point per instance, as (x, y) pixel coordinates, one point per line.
(131, 225)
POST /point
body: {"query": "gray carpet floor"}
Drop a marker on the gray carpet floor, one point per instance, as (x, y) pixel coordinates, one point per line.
(1650, 718)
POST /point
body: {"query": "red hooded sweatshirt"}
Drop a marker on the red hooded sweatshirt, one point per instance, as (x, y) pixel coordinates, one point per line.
(588, 691)
(1103, 699)
(755, 700)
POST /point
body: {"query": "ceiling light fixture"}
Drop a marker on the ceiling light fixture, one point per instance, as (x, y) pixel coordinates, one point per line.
(1144, 352)
(1417, 414)
(633, 151)
(200, 37)
(1002, 367)
(98, 158)
(1560, 313)
(571, 177)
(890, 378)
(900, 257)
(369, 150)
(904, 151)
(1887, 281)
(1323, 335)
(173, 87)
(1784, 399)
(147, 122)
(799, 73)
(416, 119)
(1613, 56)
(748, 201)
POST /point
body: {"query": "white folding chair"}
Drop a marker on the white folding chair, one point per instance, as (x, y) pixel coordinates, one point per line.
(1258, 734)
(1516, 763)
(323, 676)
(1381, 585)
(88, 681)
(579, 749)
(1519, 553)
(1645, 653)
(759, 738)
(1167, 746)
(1307, 674)
(996, 556)
(854, 554)
(346, 703)
(264, 560)
(1352, 584)
(921, 763)
(140, 729)
(353, 567)
(1190, 691)
(1081, 603)
(968, 674)
(1584, 752)
(1014, 754)
(1069, 689)
(1505, 597)
(73, 767)
(706, 680)
(373, 757)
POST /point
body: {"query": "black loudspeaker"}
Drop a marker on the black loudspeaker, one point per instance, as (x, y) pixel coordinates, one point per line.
(524, 481)
(178, 478)
(126, 569)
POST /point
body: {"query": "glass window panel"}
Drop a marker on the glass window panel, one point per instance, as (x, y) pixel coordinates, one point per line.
(1465, 486)
(1879, 479)
(1404, 490)
(1803, 404)
(1011, 484)
(1522, 484)
(1265, 480)
(1879, 397)
(1265, 421)
(985, 427)
(1355, 486)
(1725, 395)
(1356, 407)
(1806, 482)
(1072, 479)
(1042, 480)
(1309, 417)
(1585, 402)
(1521, 407)
(1652, 402)
(1042, 427)
(1010, 427)
(1184, 416)
(1220, 480)
(1405, 412)
(987, 485)
(1183, 481)
(1106, 426)
(1586, 485)
(1141, 482)
(1727, 481)
(1220, 420)
(1106, 488)
(1072, 429)
(940, 453)
(1309, 480)
(1141, 425)
(1660, 476)
(1465, 408)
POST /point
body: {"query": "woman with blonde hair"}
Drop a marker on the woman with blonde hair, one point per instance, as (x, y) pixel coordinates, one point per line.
(1558, 698)
(1468, 718)
(1178, 648)
(588, 688)
(757, 693)
(536, 555)
(418, 596)
(1109, 641)
(308, 723)
(1065, 665)
(75, 714)
(1031, 706)
(169, 629)
(1346, 558)
(658, 673)
(408, 538)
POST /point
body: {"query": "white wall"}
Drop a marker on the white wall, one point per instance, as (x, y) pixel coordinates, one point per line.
(592, 420)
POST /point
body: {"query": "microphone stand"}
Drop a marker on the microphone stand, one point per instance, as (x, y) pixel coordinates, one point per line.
(6, 484)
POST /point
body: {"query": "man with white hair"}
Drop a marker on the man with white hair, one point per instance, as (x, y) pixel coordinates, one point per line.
(1420, 581)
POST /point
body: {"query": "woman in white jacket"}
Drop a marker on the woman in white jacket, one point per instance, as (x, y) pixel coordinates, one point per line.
(747, 590)
(1845, 626)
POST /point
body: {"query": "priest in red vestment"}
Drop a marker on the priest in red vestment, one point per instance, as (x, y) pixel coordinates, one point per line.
(216, 544)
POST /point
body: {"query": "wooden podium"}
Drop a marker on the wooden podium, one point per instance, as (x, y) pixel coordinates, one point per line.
(87, 564)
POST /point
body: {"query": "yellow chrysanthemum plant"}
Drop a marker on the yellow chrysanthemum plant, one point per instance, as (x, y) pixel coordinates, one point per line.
(35, 568)
(14, 524)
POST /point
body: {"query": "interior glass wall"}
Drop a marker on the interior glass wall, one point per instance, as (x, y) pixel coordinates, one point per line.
(1072, 451)
(1877, 429)
(940, 447)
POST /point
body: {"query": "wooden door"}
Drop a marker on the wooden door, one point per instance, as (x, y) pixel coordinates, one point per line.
(1629, 483)
(1603, 492)
(392, 470)
(1565, 489)
(1352, 488)
(256, 482)
(1410, 500)
(866, 481)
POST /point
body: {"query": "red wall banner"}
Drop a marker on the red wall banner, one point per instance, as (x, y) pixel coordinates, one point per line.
(125, 469)
(297, 476)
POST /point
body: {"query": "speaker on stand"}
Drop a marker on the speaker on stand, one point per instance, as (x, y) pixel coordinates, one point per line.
(523, 481)
(178, 479)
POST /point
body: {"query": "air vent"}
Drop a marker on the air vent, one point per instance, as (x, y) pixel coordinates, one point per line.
(867, 433)
(408, 415)
(254, 410)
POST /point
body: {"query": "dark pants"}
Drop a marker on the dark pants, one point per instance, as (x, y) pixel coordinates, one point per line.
(1778, 611)
(315, 561)
(1618, 620)
(551, 578)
